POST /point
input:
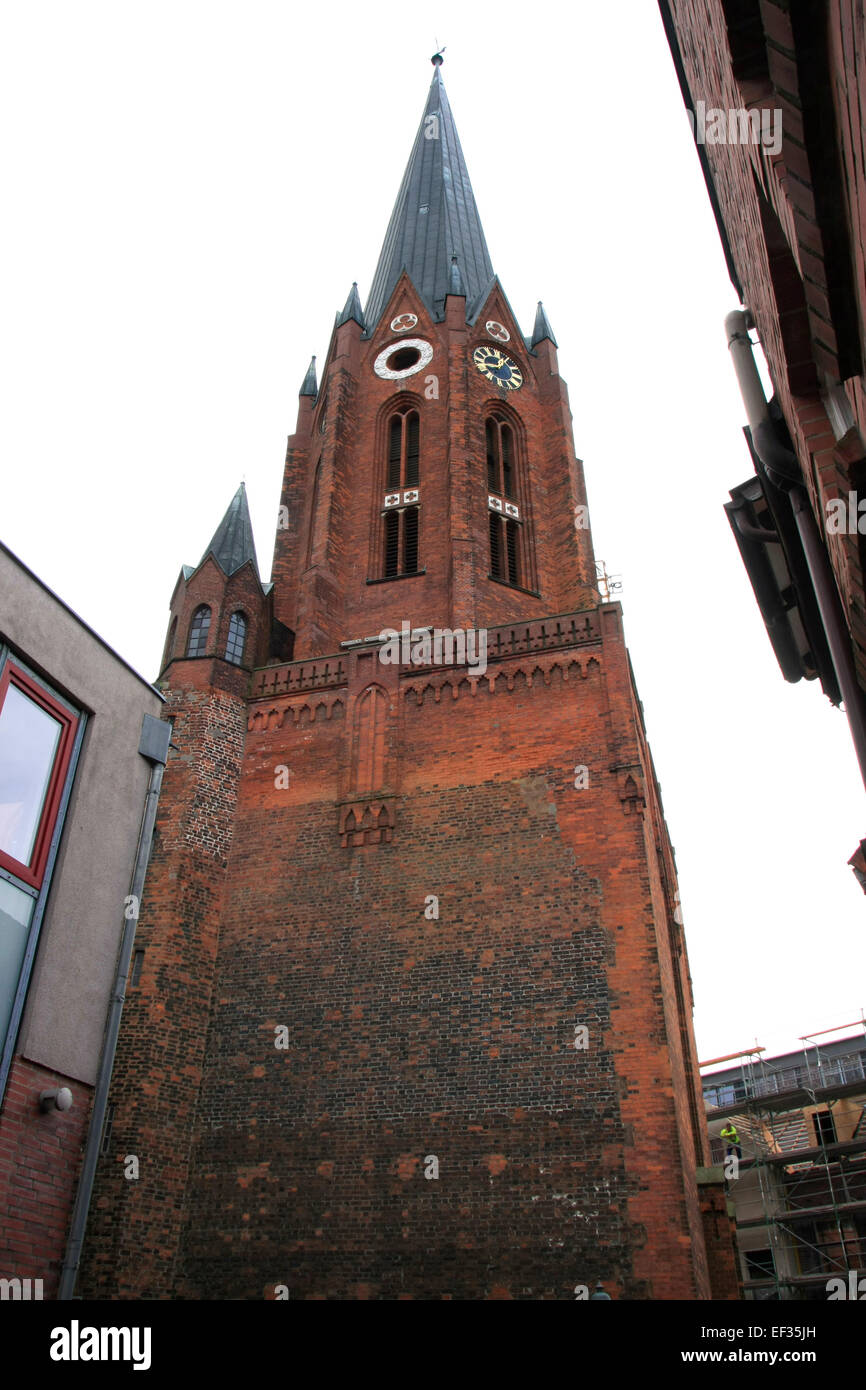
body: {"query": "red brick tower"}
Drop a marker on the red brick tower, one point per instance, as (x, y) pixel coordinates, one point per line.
(414, 1015)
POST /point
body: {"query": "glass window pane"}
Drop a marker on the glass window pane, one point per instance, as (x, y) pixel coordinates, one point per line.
(28, 743)
(16, 909)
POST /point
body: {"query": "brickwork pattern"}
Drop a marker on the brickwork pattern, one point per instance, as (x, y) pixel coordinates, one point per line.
(40, 1161)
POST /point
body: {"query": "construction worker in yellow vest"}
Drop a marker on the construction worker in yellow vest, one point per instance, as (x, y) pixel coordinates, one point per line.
(732, 1139)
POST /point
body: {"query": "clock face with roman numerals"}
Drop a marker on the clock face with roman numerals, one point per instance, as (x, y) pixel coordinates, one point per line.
(501, 370)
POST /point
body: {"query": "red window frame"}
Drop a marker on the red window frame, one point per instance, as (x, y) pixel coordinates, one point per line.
(33, 872)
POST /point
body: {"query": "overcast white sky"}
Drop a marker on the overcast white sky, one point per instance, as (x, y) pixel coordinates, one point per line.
(189, 191)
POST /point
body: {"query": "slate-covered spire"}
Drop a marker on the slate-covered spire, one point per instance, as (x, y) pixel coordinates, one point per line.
(232, 543)
(352, 308)
(542, 328)
(434, 218)
(310, 386)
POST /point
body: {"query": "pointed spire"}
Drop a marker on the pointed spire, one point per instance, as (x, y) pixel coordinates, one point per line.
(455, 282)
(233, 544)
(310, 387)
(542, 328)
(434, 217)
(352, 308)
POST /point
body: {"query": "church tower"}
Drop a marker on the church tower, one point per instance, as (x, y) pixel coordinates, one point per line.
(410, 1011)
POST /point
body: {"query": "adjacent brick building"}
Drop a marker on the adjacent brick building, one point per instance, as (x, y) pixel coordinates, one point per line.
(413, 1013)
(774, 91)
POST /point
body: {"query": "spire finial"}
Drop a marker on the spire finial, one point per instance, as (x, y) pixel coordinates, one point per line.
(437, 60)
(309, 386)
(352, 308)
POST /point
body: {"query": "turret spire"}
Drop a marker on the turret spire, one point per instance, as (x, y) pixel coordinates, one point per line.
(233, 545)
(434, 218)
(309, 386)
(542, 328)
(352, 307)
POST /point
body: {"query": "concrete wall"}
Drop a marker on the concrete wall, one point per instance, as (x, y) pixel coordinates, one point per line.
(64, 1015)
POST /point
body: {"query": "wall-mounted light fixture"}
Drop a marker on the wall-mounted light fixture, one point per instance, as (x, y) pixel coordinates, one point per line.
(55, 1100)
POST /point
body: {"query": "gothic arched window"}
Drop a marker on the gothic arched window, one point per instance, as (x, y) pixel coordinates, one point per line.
(510, 561)
(198, 631)
(402, 513)
(236, 639)
(500, 457)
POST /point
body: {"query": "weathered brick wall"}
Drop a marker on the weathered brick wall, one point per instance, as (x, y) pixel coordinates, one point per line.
(368, 792)
(40, 1160)
(720, 1239)
(134, 1224)
(411, 1037)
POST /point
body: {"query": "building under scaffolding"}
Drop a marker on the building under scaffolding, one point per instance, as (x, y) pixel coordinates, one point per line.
(799, 1195)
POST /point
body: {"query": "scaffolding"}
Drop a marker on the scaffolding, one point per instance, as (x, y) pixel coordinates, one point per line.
(797, 1179)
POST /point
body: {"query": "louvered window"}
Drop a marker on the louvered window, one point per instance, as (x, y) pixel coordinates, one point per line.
(495, 545)
(510, 560)
(401, 519)
(395, 451)
(412, 449)
(410, 540)
(492, 473)
(392, 544)
(507, 470)
(198, 631)
(500, 457)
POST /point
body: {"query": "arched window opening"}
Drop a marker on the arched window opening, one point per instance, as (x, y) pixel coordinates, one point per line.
(198, 631)
(500, 457)
(395, 450)
(404, 447)
(492, 477)
(510, 556)
(507, 453)
(401, 512)
(236, 639)
(413, 450)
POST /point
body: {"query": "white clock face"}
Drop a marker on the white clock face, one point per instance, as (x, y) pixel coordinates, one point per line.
(496, 331)
(403, 322)
(402, 359)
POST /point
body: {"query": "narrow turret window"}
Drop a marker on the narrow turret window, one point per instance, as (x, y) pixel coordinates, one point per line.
(236, 639)
(198, 631)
